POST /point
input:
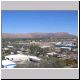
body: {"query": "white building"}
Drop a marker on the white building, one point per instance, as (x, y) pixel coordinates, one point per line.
(12, 52)
(52, 53)
(44, 46)
(10, 46)
(20, 52)
(58, 43)
(69, 48)
(70, 44)
(6, 48)
(34, 58)
(17, 57)
(21, 57)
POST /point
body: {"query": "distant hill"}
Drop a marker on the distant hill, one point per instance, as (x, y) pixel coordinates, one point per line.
(38, 35)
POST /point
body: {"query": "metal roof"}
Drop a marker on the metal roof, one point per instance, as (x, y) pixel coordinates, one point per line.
(7, 63)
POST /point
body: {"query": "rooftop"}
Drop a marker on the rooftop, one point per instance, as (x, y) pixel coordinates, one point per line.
(7, 62)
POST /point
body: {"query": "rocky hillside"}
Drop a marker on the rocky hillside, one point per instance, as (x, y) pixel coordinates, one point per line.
(38, 35)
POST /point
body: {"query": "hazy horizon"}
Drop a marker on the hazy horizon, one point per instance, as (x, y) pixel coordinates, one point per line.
(37, 32)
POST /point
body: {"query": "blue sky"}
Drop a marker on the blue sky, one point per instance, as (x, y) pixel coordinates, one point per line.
(39, 21)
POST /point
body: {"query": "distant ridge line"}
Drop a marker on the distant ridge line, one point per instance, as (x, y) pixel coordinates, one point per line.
(38, 35)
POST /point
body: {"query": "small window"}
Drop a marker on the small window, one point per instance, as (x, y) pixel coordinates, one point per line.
(7, 58)
(12, 58)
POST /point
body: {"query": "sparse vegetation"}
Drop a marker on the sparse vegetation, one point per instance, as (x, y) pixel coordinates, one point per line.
(30, 47)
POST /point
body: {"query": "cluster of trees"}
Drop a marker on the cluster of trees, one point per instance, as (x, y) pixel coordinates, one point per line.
(68, 62)
(36, 50)
(4, 53)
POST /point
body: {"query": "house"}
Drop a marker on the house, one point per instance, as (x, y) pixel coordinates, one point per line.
(71, 45)
(52, 54)
(21, 57)
(33, 58)
(68, 48)
(17, 57)
(44, 46)
(58, 43)
(8, 64)
(10, 46)
(65, 44)
(20, 52)
(5, 48)
(12, 52)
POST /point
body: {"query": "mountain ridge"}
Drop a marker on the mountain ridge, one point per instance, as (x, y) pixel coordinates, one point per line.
(38, 35)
